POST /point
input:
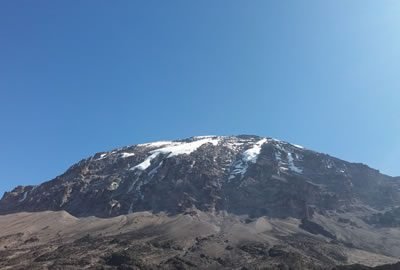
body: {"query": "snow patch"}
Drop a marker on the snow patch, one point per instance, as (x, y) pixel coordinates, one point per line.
(182, 148)
(293, 167)
(146, 163)
(113, 186)
(175, 149)
(288, 164)
(250, 155)
(125, 155)
(24, 196)
(102, 156)
(155, 144)
(298, 146)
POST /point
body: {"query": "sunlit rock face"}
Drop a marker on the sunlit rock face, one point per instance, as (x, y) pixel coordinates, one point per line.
(244, 175)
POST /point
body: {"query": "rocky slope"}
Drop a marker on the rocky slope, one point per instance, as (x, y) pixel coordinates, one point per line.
(195, 240)
(260, 202)
(241, 175)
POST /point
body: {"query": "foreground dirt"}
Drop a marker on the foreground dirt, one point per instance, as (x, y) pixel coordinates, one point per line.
(193, 240)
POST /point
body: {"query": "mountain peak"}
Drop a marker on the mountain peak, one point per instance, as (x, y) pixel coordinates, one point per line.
(244, 174)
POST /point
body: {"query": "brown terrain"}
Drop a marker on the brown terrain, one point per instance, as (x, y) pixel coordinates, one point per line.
(57, 240)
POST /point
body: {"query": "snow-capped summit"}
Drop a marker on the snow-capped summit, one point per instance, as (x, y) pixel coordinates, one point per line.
(242, 174)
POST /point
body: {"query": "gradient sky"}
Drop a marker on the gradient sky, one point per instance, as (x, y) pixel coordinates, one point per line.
(79, 77)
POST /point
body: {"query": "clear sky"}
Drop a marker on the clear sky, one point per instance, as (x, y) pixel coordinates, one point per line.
(79, 77)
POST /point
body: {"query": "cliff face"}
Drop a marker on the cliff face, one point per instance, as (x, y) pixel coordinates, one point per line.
(246, 175)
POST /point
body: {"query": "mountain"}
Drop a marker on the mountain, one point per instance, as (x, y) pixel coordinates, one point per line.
(241, 175)
(212, 202)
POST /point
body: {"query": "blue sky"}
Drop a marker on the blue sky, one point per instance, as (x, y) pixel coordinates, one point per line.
(79, 77)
